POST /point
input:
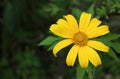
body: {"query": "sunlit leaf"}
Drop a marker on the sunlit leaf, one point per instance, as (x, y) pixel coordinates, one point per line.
(49, 40)
(91, 10)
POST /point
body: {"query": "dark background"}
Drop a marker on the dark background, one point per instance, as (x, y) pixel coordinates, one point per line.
(24, 23)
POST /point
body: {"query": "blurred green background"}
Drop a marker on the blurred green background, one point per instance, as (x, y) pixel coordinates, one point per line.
(24, 23)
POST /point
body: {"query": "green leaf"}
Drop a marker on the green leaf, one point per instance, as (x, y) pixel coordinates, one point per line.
(108, 37)
(113, 55)
(91, 10)
(101, 11)
(51, 47)
(76, 12)
(116, 47)
(49, 40)
(80, 72)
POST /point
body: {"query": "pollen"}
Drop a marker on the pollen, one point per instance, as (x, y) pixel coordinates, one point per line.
(80, 39)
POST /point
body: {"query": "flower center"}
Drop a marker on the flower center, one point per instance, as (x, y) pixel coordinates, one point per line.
(80, 39)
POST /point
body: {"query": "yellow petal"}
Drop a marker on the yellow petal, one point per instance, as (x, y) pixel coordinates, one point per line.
(94, 23)
(66, 27)
(101, 30)
(84, 21)
(60, 31)
(60, 45)
(98, 45)
(71, 57)
(83, 57)
(72, 23)
(93, 56)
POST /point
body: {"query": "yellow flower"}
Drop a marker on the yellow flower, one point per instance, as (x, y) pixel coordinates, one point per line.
(80, 36)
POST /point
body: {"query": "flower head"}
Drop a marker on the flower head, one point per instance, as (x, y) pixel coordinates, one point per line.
(80, 36)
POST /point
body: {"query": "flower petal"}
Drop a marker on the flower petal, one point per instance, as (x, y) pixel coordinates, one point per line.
(98, 45)
(94, 23)
(93, 56)
(71, 57)
(66, 26)
(101, 30)
(61, 31)
(83, 57)
(60, 45)
(72, 23)
(84, 21)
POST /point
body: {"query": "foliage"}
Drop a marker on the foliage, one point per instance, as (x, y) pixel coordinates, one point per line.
(24, 23)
